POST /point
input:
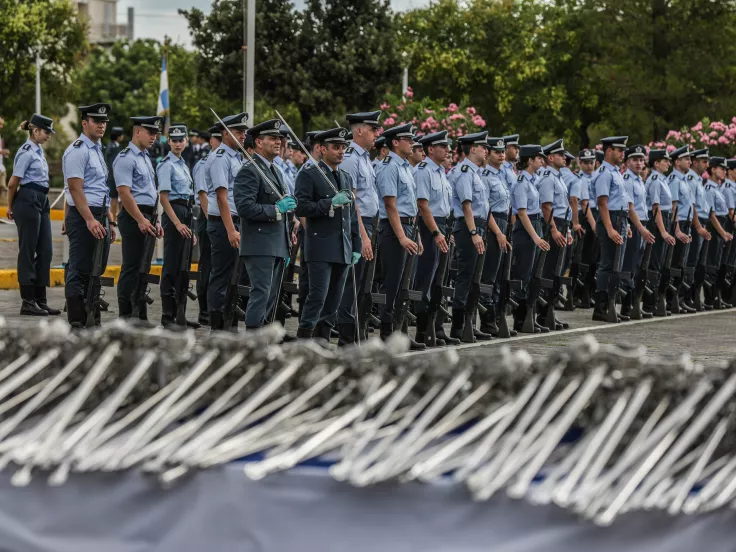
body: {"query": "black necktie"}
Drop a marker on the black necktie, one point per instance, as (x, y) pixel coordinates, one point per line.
(278, 180)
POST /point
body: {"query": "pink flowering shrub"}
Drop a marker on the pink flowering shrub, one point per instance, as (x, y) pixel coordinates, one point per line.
(429, 115)
(717, 136)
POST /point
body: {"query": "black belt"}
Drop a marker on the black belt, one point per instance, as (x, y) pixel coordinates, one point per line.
(503, 216)
(218, 218)
(721, 219)
(440, 220)
(618, 213)
(181, 202)
(35, 187)
(145, 209)
(535, 217)
(403, 220)
(367, 220)
(560, 220)
(97, 211)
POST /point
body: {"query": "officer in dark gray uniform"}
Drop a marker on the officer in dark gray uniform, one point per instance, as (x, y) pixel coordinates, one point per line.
(262, 203)
(28, 205)
(136, 183)
(87, 195)
(332, 237)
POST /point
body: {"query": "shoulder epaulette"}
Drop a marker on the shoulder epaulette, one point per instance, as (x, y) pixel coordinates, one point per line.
(601, 169)
(654, 177)
(77, 143)
(547, 173)
(26, 147)
(220, 151)
(626, 176)
(465, 168)
(486, 172)
(387, 160)
(521, 177)
(422, 164)
(309, 166)
(123, 152)
(672, 177)
(164, 160)
(689, 177)
(350, 149)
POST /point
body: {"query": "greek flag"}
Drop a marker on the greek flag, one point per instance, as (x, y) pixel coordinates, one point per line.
(163, 95)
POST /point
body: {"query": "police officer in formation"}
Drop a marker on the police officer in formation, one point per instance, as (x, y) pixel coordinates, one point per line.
(28, 206)
(499, 201)
(527, 235)
(586, 162)
(511, 158)
(324, 195)
(223, 222)
(88, 201)
(136, 183)
(717, 167)
(203, 238)
(553, 196)
(117, 134)
(434, 197)
(397, 210)
(176, 193)
(470, 202)
(357, 163)
(262, 203)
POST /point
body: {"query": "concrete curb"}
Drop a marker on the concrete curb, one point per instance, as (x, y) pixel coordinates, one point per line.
(9, 277)
(56, 214)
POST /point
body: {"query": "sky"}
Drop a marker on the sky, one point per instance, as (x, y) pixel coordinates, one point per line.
(156, 18)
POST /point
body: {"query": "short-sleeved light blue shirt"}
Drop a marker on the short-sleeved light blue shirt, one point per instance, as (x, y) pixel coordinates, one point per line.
(357, 162)
(729, 192)
(132, 168)
(525, 194)
(609, 182)
(220, 171)
(174, 177)
(716, 198)
(682, 193)
(552, 189)
(200, 185)
(395, 180)
(83, 159)
(637, 193)
(499, 196)
(432, 185)
(30, 165)
(468, 186)
(658, 192)
(702, 203)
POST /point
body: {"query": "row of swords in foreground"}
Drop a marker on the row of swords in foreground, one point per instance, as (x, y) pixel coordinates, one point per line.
(597, 429)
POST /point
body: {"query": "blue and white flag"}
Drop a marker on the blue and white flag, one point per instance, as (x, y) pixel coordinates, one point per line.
(163, 95)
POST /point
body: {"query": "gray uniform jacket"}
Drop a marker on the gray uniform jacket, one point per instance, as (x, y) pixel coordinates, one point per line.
(327, 239)
(260, 231)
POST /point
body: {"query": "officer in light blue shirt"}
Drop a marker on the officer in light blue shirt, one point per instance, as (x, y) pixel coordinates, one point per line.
(611, 228)
(587, 215)
(397, 210)
(499, 199)
(577, 192)
(85, 179)
(177, 198)
(717, 167)
(223, 223)
(508, 169)
(527, 233)
(434, 195)
(381, 153)
(28, 206)
(136, 184)
(280, 162)
(470, 204)
(357, 163)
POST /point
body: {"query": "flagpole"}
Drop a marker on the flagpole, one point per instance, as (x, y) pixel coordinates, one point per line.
(167, 114)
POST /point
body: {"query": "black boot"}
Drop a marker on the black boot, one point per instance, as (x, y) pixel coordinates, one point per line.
(322, 331)
(125, 309)
(627, 304)
(346, 334)
(28, 306)
(421, 334)
(217, 321)
(386, 330)
(40, 295)
(304, 333)
(458, 321)
(601, 303)
(441, 335)
(75, 313)
(168, 312)
(488, 320)
(104, 305)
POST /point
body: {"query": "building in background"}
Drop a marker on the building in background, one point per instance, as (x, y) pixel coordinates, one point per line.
(102, 17)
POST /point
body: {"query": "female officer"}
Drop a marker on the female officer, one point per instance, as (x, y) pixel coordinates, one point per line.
(176, 195)
(528, 226)
(28, 205)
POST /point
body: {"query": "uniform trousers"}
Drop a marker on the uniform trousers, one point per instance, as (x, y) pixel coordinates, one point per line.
(32, 218)
(326, 284)
(659, 249)
(265, 280)
(223, 257)
(393, 262)
(427, 263)
(304, 274)
(493, 258)
(346, 311)
(696, 245)
(134, 242)
(81, 252)
(607, 260)
(632, 258)
(467, 258)
(204, 263)
(525, 251)
(173, 250)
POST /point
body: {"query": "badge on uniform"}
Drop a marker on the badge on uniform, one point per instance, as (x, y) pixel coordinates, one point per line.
(486, 172)
(26, 147)
(77, 143)
(422, 164)
(351, 149)
(654, 177)
(123, 152)
(626, 176)
(220, 151)
(521, 177)
(601, 169)
(465, 168)
(547, 173)
(689, 177)
(387, 160)
(672, 177)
